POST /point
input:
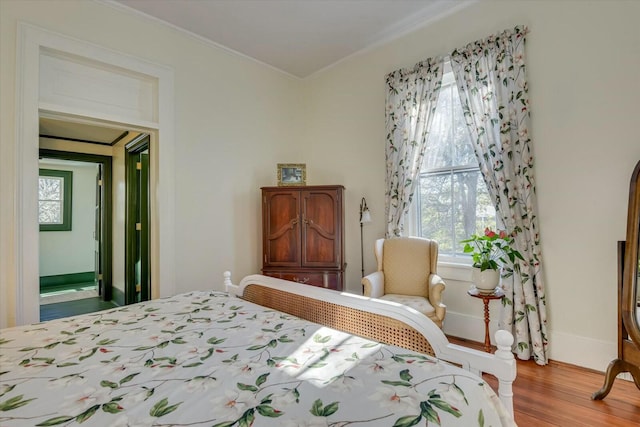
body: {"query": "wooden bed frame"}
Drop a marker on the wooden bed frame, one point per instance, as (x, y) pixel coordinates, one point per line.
(379, 320)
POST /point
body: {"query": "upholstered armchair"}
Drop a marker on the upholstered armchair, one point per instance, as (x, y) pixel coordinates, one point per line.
(407, 275)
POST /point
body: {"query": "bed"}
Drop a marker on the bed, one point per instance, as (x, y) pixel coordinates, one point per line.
(252, 355)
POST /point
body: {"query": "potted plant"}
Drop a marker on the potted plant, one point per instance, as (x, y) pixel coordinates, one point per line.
(490, 252)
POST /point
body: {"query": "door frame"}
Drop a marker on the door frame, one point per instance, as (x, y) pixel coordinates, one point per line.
(19, 245)
(106, 235)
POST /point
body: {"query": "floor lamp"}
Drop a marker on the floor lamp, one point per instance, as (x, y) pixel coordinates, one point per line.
(365, 218)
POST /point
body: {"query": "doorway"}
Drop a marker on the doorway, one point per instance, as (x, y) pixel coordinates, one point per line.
(75, 233)
(152, 110)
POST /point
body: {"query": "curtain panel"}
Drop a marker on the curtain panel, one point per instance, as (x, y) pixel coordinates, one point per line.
(490, 75)
(412, 96)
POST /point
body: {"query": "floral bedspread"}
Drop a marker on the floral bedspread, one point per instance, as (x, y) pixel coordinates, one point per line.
(211, 359)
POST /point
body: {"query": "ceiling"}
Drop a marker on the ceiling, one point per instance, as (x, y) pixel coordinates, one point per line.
(92, 133)
(298, 37)
(52, 128)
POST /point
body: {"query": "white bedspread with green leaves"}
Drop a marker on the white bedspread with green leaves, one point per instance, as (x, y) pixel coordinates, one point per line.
(211, 359)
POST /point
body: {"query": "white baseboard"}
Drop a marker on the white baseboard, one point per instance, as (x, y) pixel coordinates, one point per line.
(625, 376)
(468, 327)
(566, 348)
(582, 351)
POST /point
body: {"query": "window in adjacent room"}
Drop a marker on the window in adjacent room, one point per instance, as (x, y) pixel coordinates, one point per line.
(54, 200)
(452, 201)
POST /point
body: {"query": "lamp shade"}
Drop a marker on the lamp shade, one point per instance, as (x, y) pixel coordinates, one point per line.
(366, 217)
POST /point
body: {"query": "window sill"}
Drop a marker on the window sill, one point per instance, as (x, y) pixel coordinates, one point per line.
(454, 271)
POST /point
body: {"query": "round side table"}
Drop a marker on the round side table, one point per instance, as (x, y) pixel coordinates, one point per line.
(498, 294)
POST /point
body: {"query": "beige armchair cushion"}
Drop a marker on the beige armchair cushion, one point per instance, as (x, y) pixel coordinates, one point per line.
(407, 275)
(417, 303)
(406, 264)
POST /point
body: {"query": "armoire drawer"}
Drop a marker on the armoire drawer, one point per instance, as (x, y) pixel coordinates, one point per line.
(323, 279)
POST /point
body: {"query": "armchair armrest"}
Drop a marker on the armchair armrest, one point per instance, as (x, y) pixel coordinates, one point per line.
(436, 287)
(373, 285)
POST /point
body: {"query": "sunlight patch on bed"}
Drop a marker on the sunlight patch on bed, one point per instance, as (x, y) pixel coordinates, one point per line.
(326, 358)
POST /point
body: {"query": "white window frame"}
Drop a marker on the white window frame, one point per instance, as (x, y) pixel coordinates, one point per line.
(412, 218)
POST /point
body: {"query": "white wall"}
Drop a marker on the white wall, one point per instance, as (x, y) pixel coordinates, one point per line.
(66, 252)
(583, 59)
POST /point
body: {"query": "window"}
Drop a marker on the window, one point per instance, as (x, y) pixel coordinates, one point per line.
(452, 201)
(54, 200)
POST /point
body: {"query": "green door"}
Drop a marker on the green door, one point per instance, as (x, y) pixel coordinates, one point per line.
(138, 278)
(97, 232)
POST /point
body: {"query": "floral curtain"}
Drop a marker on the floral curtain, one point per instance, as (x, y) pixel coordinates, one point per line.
(490, 75)
(412, 96)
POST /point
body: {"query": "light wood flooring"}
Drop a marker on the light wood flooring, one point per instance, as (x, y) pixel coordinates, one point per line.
(559, 394)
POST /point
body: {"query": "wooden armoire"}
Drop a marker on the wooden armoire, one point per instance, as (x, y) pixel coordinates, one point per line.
(303, 234)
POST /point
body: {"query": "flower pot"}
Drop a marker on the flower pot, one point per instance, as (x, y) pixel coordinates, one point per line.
(486, 281)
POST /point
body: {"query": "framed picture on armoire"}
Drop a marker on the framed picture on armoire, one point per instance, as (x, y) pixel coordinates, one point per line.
(292, 174)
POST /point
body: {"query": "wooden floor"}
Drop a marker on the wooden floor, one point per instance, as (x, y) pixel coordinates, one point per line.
(73, 308)
(559, 394)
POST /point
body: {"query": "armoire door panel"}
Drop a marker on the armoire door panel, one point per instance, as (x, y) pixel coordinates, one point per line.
(319, 251)
(320, 229)
(282, 222)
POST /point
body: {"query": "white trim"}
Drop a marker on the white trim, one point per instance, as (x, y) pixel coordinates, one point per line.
(582, 351)
(55, 109)
(31, 40)
(454, 270)
(26, 164)
(471, 328)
